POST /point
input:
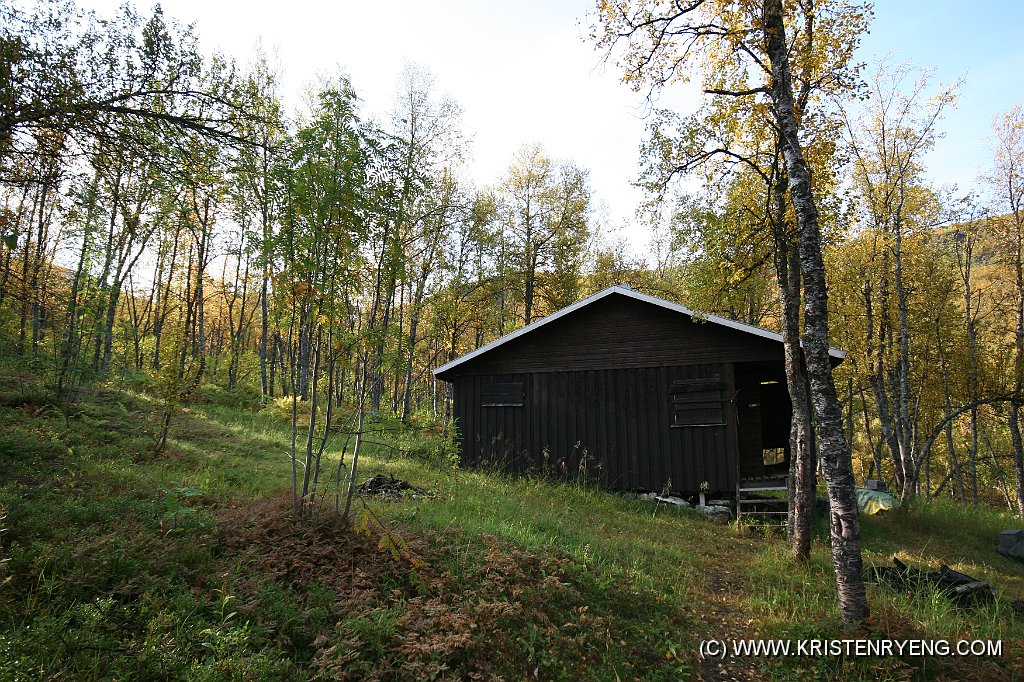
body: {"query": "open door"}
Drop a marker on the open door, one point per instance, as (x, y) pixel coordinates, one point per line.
(748, 430)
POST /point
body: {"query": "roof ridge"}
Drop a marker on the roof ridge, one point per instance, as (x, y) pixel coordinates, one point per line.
(629, 292)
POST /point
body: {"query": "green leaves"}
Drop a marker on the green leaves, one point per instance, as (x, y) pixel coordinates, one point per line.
(543, 211)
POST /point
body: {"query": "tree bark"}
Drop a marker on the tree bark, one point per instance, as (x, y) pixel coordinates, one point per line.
(966, 264)
(876, 351)
(802, 478)
(835, 451)
(266, 383)
(955, 470)
(37, 266)
(306, 500)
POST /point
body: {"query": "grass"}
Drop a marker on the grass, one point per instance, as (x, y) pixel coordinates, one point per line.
(118, 564)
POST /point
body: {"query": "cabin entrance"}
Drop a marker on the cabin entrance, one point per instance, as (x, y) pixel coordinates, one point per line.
(763, 415)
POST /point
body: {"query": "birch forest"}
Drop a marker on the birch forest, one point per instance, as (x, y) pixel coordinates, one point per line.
(169, 222)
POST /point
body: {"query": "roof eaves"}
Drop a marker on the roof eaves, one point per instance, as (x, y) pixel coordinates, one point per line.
(528, 328)
(724, 321)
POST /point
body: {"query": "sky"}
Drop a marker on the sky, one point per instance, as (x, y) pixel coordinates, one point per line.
(976, 43)
(523, 73)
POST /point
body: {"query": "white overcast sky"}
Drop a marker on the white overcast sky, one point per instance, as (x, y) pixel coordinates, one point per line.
(523, 72)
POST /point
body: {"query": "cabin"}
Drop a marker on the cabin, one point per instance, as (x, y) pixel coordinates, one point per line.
(630, 391)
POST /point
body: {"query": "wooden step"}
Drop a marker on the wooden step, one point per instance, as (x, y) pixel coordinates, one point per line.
(764, 507)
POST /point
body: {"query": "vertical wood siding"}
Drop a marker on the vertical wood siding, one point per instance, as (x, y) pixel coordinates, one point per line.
(611, 426)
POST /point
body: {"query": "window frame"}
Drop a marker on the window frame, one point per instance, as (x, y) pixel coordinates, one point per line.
(502, 394)
(704, 396)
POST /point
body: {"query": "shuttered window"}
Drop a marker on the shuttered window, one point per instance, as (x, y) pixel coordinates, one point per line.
(502, 395)
(698, 402)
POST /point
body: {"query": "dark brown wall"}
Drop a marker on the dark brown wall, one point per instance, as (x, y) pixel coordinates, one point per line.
(597, 382)
(619, 418)
(620, 332)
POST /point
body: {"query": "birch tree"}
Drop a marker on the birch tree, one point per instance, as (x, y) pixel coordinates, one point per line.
(732, 144)
(68, 71)
(1007, 179)
(664, 43)
(887, 146)
(543, 209)
(256, 196)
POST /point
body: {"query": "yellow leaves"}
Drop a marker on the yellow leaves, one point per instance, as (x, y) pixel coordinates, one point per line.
(365, 523)
(394, 543)
(361, 524)
(300, 289)
(295, 290)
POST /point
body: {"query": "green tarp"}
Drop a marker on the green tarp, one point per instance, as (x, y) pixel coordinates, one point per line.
(874, 501)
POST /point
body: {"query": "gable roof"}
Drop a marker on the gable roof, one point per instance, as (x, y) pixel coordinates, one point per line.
(630, 293)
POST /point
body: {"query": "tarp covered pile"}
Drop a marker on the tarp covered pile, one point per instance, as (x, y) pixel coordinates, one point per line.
(874, 501)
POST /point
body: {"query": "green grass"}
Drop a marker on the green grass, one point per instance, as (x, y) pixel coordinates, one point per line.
(119, 564)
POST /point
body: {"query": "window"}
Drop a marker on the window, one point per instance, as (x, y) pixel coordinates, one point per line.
(697, 402)
(773, 456)
(502, 395)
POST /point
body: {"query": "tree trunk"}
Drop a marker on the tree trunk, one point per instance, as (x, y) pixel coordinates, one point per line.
(835, 452)
(303, 353)
(1018, 354)
(966, 264)
(415, 310)
(876, 346)
(306, 501)
(69, 352)
(113, 299)
(266, 383)
(955, 470)
(802, 479)
(37, 266)
(904, 425)
(25, 294)
(1018, 459)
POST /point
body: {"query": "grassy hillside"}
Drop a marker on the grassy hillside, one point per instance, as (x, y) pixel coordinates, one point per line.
(118, 564)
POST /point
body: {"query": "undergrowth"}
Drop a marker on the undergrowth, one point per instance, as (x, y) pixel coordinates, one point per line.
(116, 564)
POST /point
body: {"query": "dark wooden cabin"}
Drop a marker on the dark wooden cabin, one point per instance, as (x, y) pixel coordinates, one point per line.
(634, 391)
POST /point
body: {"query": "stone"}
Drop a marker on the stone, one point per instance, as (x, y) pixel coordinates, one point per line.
(715, 512)
(1009, 538)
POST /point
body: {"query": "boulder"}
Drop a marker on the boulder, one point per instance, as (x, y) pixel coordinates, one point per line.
(715, 512)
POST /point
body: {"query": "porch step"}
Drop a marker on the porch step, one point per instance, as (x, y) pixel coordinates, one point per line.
(763, 483)
(771, 505)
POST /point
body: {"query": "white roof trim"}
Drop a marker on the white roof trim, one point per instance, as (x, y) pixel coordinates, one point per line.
(625, 291)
